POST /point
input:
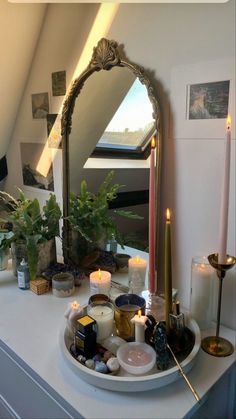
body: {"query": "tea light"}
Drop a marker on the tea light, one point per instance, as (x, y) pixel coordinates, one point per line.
(104, 316)
(139, 323)
(137, 274)
(100, 282)
(73, 312)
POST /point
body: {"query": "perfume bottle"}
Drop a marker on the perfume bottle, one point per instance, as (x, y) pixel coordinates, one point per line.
(177, 318)
(86, 336)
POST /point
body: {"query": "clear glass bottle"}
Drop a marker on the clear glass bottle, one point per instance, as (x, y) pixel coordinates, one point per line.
(23, 275)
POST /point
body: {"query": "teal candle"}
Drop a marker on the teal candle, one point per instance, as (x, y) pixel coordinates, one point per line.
(168, 270)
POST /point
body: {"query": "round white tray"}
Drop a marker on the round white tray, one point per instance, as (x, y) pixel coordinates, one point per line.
(127, 382)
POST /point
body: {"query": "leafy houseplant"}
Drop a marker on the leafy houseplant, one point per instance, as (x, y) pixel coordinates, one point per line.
(32, 226)
(90, 215)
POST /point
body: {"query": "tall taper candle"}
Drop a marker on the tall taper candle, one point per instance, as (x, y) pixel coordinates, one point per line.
(152, 218)
(168, 270)
(225, 197)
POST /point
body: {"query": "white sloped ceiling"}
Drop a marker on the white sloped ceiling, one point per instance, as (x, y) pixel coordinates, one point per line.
(20, 26)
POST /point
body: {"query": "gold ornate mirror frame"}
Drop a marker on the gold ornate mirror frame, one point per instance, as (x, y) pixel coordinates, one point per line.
(106, 55)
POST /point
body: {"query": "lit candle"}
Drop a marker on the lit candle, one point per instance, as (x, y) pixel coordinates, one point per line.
(225, 196)
(104, 316)
(73, 312)
(152, 218)
(100, 282)
(168, 270)
(201, 292)
(139, 324)
(137, 273)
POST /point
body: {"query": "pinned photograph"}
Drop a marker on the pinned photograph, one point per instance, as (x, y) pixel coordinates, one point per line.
(33, 175)
(59, 83)
(208, 100)
(40, 105)
(54, 130)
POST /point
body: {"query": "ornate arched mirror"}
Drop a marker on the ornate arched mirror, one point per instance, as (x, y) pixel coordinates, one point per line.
(109, 83)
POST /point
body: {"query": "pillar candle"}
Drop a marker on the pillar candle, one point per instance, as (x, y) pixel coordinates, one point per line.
(137, 273)
(100, 282)
(202, 275)
(168, 270)
(152, 218)
(225, 197)
(139, 325)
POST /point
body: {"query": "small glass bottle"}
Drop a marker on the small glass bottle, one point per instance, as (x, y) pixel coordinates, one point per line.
(23, 275)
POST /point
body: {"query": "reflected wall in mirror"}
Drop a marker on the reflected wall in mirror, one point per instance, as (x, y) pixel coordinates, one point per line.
(110, 106)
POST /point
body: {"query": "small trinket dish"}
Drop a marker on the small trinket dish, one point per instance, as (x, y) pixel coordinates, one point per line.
(136, 358)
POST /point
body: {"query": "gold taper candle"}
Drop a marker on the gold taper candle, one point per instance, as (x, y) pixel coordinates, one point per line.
(168, 270)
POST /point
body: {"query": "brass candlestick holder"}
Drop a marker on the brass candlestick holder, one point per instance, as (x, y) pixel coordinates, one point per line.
(215, 345)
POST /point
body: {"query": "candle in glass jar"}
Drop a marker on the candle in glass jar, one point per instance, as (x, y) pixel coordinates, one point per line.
(104, 316)
(137, 273)
(100, 282)
(225, 196)
(202, 276)
(139, 325)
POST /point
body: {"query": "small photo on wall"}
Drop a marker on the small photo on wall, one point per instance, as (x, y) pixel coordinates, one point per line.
(59, 83)
(208, 100)
(54, 130)
(31, 155)
(40, 105)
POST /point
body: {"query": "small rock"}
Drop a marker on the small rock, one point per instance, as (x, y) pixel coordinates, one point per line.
(107, 355)
(90, 364)
(81, 359)
(101, 367)
(113, 364)
(97, 357)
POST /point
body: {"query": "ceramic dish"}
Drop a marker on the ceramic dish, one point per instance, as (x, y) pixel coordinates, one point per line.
(125, 381)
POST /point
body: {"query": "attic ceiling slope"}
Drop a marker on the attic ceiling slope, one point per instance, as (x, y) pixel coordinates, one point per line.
(20, 26)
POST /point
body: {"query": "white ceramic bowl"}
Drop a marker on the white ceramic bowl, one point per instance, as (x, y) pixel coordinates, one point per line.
(136, 358)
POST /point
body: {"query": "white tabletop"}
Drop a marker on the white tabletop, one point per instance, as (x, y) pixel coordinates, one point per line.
(30, 326)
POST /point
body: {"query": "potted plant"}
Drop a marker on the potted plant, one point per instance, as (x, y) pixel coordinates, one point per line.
(91, 218)
(33, 229)
(5, 243)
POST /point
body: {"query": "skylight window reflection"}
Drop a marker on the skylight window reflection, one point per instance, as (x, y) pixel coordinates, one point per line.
(132, 125)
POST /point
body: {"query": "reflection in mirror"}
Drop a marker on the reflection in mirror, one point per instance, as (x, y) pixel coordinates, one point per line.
(110, 105)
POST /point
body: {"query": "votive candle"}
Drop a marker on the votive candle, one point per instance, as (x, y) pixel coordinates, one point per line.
(100, 282)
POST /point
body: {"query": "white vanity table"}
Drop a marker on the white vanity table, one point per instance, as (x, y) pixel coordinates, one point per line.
(36, 382)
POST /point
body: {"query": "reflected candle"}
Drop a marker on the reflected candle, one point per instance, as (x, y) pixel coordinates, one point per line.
(100, 282)
(137, 273)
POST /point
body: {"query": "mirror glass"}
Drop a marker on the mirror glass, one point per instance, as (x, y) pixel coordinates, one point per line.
(111, 103)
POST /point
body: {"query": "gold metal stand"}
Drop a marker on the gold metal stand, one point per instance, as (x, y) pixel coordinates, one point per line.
(215, 345)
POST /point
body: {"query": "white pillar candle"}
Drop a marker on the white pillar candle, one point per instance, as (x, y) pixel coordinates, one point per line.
(104, 316)
(100, 282)
(139, 324)
(137, 274)
(202, 276)
(224, 209)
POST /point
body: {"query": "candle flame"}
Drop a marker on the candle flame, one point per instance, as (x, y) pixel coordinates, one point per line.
(75, 305)
(99, 274)
(167, 214)
(139, 313)
(153, 142)
(137, 259)
(228, 122)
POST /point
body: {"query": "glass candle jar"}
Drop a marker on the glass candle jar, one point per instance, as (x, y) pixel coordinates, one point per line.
(201, 297)
(103, 314)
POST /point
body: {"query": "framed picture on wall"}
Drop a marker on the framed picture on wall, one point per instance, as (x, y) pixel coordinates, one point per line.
(40, 105)
(36, 165)
(202, 95)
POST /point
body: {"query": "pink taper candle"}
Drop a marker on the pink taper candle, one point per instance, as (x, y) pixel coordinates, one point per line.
(152, 218)
(225, 197)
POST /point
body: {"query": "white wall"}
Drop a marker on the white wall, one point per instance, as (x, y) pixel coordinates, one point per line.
(160, 37)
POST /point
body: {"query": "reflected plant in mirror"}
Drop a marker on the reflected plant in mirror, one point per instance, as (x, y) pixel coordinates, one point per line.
(91, 220)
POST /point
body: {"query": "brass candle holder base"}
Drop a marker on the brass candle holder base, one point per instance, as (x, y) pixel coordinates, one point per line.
(215, 345)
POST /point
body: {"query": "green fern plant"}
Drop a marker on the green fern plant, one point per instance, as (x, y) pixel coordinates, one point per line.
(90, 215)
(30, 224)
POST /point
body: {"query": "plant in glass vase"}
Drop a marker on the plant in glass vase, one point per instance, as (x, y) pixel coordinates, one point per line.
(32, 228)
